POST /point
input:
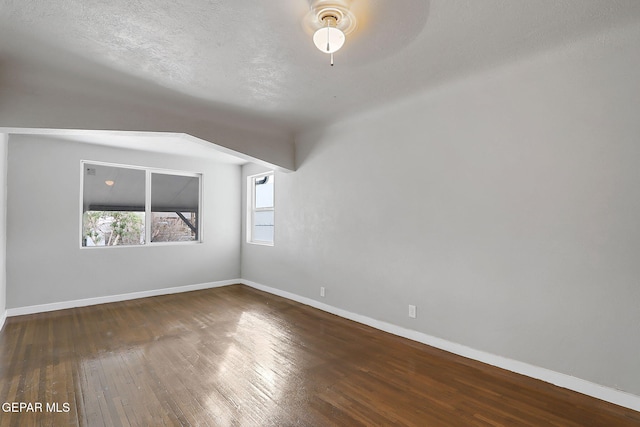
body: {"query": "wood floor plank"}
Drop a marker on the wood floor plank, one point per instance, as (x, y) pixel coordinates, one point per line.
(235, 356)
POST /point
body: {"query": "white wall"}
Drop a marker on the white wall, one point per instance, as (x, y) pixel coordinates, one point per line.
(4, 141)
(45, 263)
(505, 206)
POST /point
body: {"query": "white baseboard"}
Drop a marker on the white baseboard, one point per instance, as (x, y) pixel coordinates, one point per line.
(598, 391)
(41, 308)
(3, 317)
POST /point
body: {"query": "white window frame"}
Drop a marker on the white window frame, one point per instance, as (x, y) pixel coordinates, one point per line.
(147, 211)
(251, 208)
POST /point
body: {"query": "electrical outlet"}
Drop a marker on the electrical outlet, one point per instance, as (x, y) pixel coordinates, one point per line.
(322, 291)
(412, 311)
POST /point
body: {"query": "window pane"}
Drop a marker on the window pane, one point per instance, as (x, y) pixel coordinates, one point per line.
(175, 206)
(173, 226)
(113, 206)
(263, 226)
(264, 192)
(112, 228)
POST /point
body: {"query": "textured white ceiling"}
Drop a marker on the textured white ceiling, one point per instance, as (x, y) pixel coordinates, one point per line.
(256, 58)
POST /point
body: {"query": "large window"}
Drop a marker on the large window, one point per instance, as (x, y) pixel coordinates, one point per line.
(261, 215)
(126, 205)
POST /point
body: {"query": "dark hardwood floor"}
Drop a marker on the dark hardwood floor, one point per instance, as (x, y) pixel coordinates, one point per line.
(235, 356)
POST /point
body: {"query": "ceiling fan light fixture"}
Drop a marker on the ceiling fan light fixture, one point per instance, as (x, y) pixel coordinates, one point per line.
(329, 39)
(331, 22)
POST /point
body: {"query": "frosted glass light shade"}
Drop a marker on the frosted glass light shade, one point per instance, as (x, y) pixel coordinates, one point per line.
(328, 39)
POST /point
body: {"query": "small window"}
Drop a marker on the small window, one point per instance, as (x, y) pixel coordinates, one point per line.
(261, 217)
(126, 205)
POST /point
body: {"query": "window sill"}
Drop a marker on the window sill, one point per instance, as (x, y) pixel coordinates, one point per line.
(260, 243)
